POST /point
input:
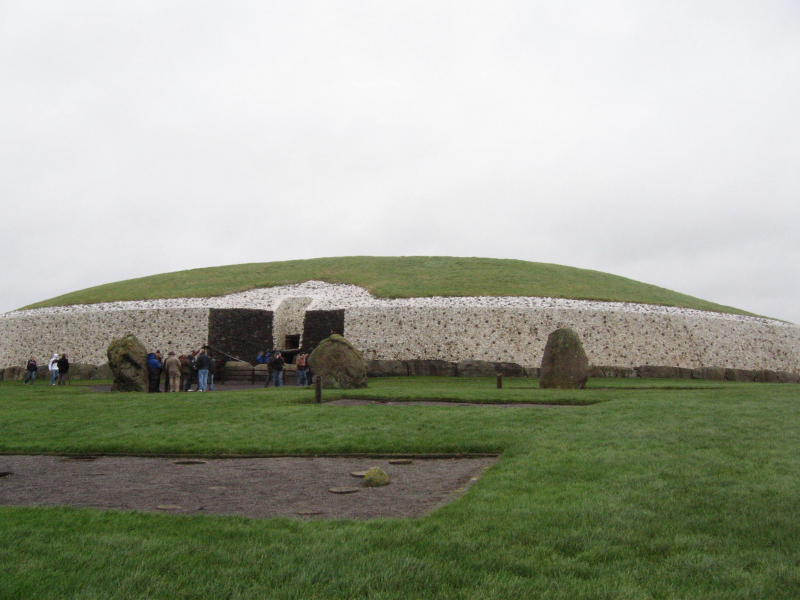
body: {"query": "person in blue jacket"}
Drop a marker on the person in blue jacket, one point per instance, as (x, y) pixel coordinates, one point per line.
(153, 372)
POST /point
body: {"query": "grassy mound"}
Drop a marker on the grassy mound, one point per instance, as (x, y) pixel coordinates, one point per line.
(395, 277)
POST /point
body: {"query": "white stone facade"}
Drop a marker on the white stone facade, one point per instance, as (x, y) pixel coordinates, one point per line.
(507, 329)
(85, 335)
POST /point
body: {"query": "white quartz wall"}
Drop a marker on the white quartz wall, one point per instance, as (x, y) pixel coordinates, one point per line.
(288, 320)
(622, 338)
(84, 336)
(507, 329)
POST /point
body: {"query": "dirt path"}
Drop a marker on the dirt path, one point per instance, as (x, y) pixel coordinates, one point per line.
(257, 488)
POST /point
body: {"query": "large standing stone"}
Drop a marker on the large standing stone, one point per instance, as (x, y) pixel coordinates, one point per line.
(339, 364)
(564, 364)
(127, 358)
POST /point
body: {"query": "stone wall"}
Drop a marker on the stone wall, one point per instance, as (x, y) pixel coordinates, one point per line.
(319, 324)
(452, 330)
(239, 332)
(688, 339)
(84, 336)
(289, 318)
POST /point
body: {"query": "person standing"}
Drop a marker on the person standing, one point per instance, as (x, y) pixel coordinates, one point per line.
(193, 372)
(203, 363)
(277, 369)
(212, 370)
(302, 362)
(63, 369)
(268, 362)
(30, 371)
(153, 373)
(172, 366)
(52, 366)
(162, 372)
(186, 372)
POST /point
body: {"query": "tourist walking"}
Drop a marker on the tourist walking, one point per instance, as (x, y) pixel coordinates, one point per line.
(172, 367)
(30, 371)
(52, 366)
(212, 370)
(63, 369)
(203, 363)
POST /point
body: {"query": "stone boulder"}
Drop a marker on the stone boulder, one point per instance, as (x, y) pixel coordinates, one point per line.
(564, 364)
(127, 358)
(103, 372)
(508, 369)
(476, 368)
(788, 377)
(14, 373)
(435, 368)
(375, 477)
(81, 370)
(386, 368)
(339, 364)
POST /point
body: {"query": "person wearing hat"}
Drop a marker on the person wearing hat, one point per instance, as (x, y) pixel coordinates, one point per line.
(173, 368)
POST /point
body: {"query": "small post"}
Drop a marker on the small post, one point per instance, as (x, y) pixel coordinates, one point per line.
(318, 389)
(499, 381)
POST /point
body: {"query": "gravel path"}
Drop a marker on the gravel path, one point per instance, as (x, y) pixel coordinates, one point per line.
(257, 488)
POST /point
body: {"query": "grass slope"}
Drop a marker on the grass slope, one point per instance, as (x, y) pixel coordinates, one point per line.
(395, 277)
(670, 492)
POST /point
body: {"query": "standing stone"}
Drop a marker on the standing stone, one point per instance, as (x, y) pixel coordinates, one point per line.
(127, 358)
(564, 364)
(337, 362)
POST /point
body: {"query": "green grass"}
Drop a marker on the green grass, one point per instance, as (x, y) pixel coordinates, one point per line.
(395, 277)
(657, 490)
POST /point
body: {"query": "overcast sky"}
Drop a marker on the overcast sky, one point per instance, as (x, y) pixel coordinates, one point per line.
(656, 140)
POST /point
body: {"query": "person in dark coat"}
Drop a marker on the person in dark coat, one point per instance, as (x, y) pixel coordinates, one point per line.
(186, 372)
(63, 369)
(30, 371)
(277, 363)
(203, 364)
(153, 373)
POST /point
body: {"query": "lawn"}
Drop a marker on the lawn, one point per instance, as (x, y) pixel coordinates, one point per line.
(633, 489)
(395, 277)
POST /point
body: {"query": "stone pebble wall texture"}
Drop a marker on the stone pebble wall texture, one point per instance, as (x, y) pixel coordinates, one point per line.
(506, 329)
(84, 336)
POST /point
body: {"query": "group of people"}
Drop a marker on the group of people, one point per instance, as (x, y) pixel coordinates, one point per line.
(275, 363)
(181, 372)
(58, 367)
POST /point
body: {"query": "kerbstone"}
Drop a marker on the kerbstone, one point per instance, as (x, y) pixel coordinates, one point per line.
(127, 358)
(564, 364)
(339, 364)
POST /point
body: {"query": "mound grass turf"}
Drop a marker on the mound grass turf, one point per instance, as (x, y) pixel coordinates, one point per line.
(395, 277)
(662, 490)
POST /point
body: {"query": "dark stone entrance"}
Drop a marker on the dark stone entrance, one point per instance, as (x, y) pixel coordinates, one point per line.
(240, 332)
